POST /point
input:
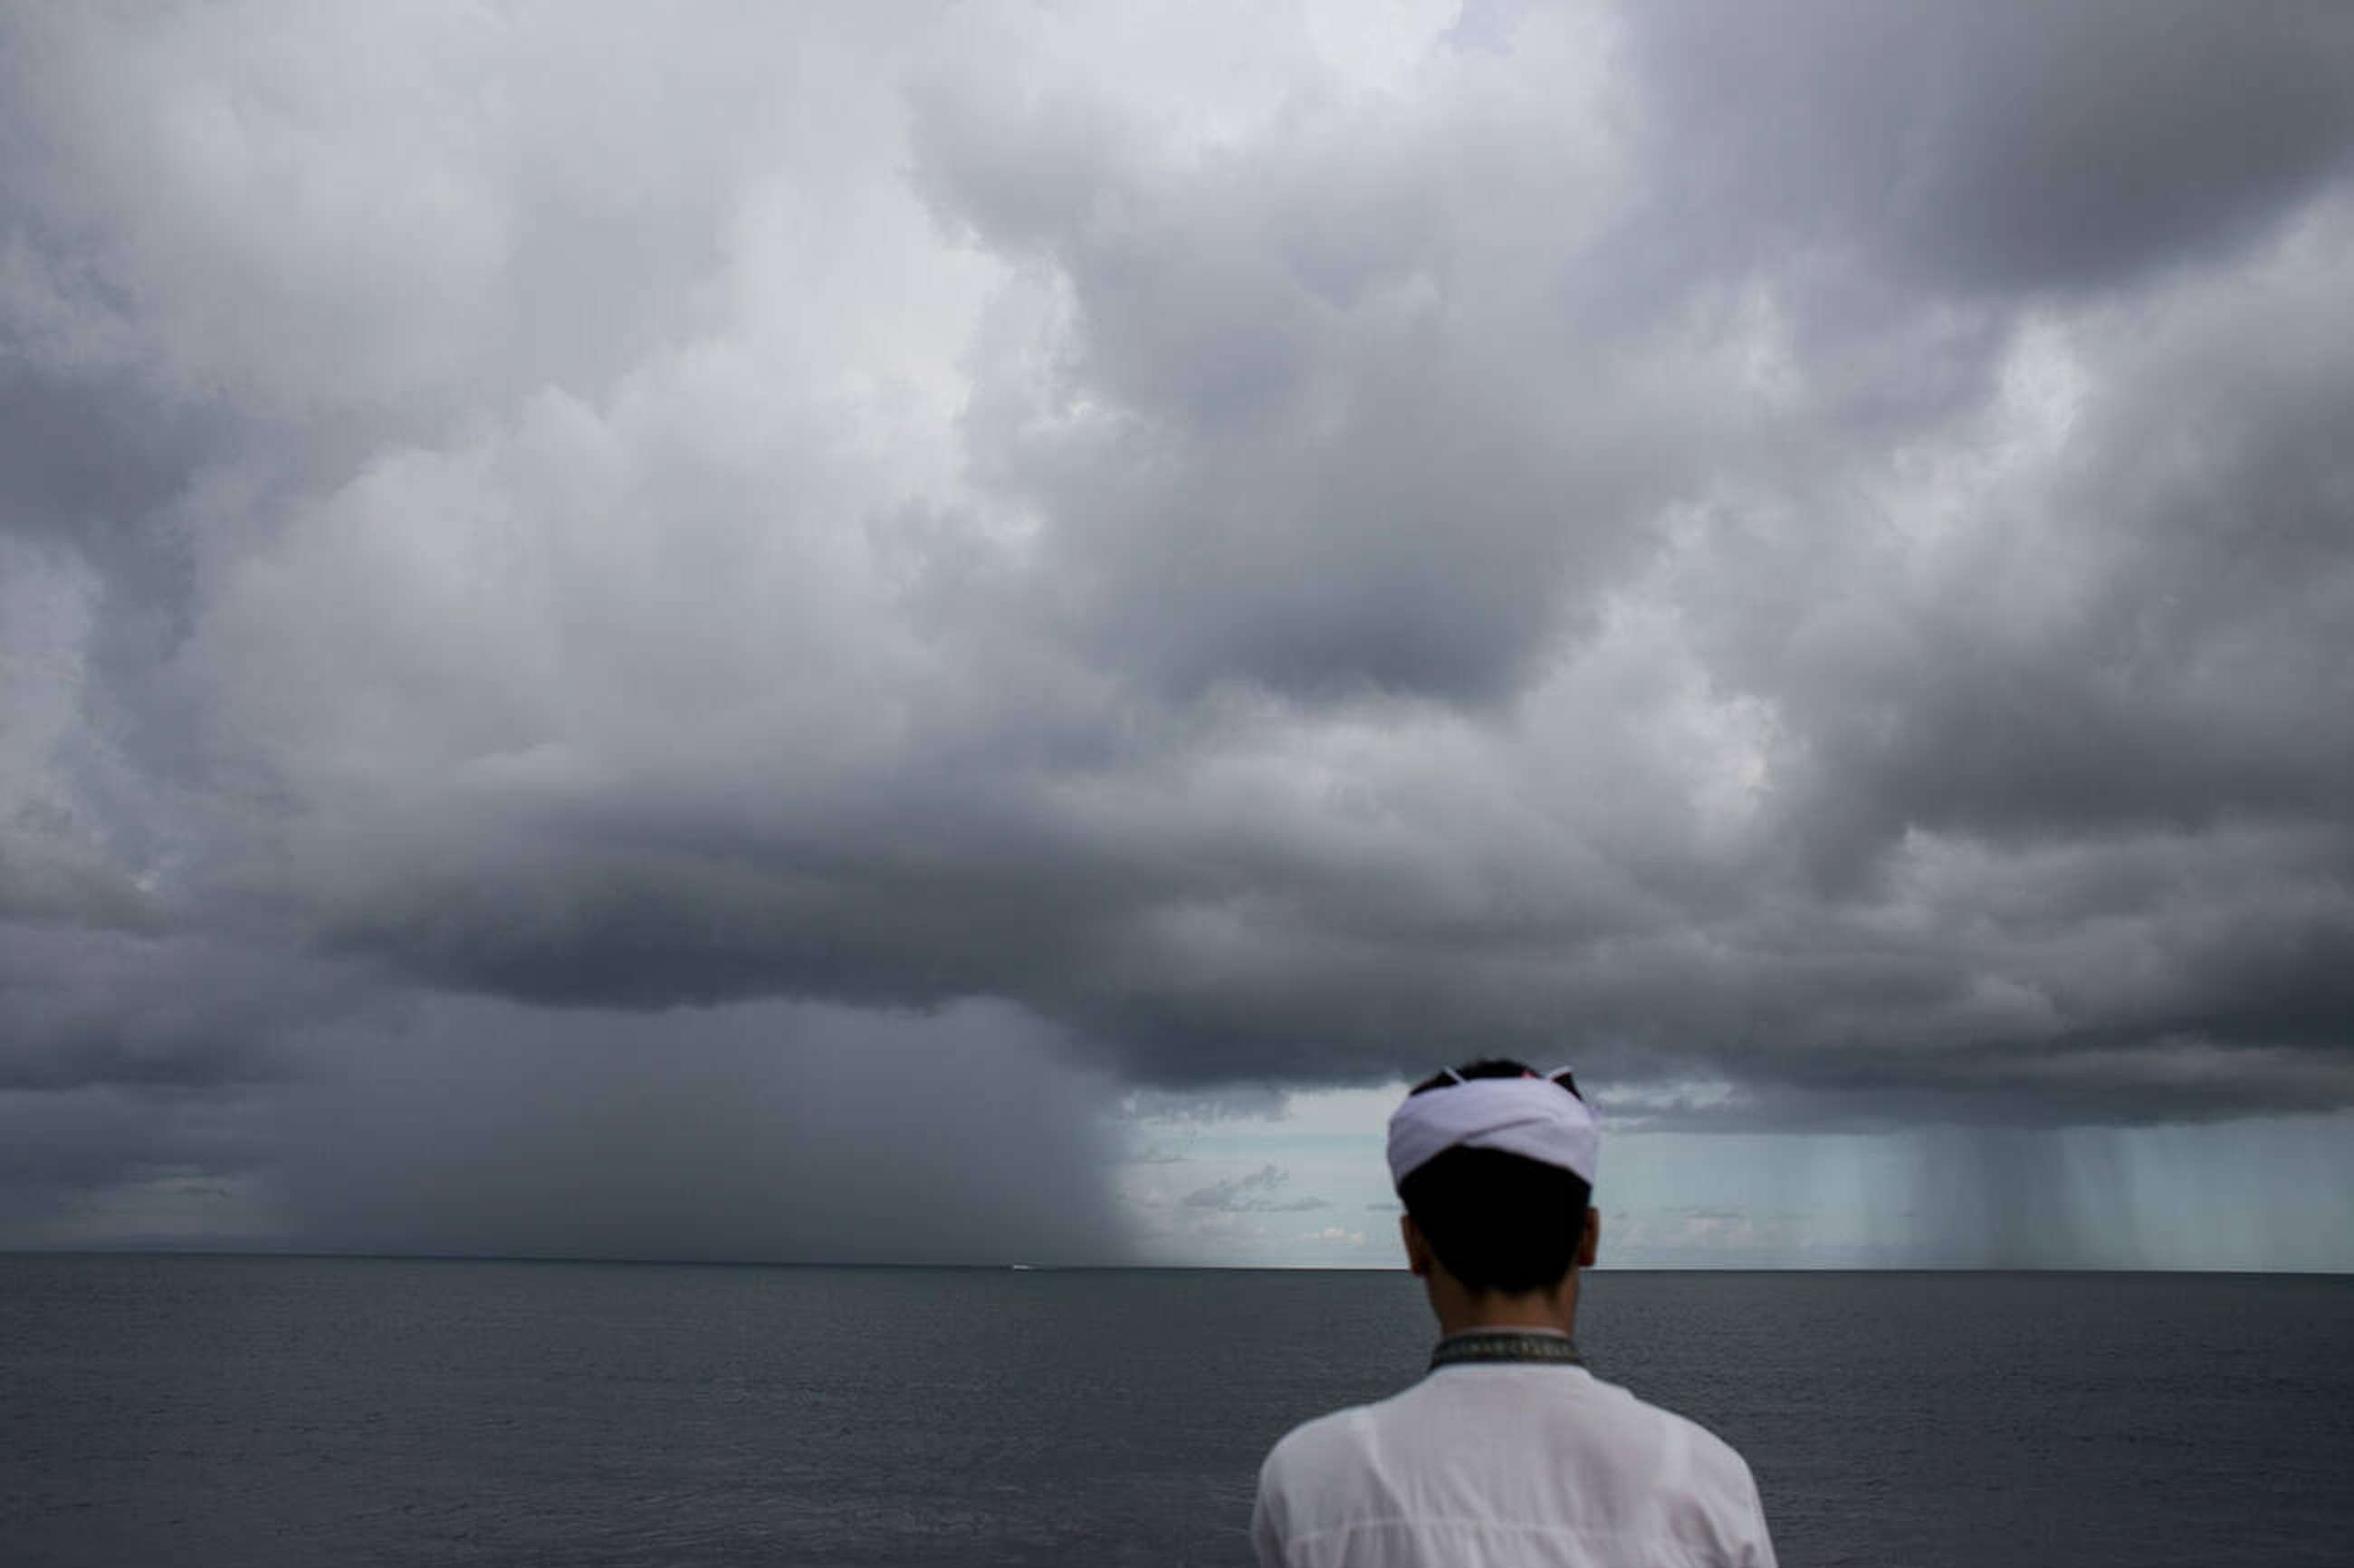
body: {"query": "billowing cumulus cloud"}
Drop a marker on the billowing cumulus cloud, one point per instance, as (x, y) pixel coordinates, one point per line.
(1799, 561)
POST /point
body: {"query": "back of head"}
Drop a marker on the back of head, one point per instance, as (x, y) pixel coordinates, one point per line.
(1497, 1221)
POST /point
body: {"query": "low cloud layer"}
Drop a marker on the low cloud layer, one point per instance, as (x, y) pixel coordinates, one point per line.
(1800, 563)
(1261, 1191)
(757, 1132)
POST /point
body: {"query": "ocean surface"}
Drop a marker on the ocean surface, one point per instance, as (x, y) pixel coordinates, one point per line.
(259, 1411)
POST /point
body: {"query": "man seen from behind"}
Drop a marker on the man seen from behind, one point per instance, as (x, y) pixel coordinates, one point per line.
(1508, 1452)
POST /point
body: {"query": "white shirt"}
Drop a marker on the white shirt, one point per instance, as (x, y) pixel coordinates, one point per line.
(1479, 1466)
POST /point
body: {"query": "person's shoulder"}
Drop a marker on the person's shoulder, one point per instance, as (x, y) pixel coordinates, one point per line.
(1310, 1479)
(1707, 1457)
(1314, 1443)
(1329, 1449)
(1704, 1483)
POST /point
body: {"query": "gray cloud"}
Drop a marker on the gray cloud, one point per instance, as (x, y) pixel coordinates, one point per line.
(752, 1133)
(1309, 432)
(1799, 561)
(1998, 149)
(1256, 1193)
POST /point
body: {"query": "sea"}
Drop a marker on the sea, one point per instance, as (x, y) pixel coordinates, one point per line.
(255, 1410)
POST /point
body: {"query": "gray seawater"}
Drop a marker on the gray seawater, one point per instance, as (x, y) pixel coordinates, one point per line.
(256, 1411)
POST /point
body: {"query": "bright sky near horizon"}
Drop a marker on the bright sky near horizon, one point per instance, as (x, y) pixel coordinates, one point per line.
(943, 631)
(1300, 1183)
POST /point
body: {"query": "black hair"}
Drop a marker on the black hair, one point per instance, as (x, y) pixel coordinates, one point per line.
(1498, 1222)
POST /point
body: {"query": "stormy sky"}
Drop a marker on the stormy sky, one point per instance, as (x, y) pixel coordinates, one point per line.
(955, 632)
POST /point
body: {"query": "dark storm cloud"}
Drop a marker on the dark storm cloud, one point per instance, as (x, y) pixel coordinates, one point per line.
(764, 1132)
(62, 1145)
(84, 462)
(767, 1132)
(2002, 148)
(2151, 645)
(1797, 558)
(89, 1008)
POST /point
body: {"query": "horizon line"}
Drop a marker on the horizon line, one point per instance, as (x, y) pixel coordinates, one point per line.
(1014, 1265)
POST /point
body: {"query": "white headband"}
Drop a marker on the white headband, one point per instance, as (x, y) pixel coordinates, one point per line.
(1534, 1117)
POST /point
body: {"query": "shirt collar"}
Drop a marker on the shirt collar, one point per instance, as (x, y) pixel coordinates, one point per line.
(1490, 1346)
